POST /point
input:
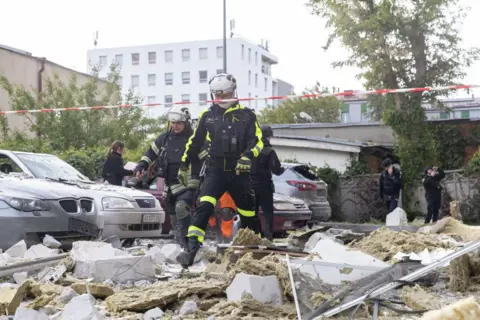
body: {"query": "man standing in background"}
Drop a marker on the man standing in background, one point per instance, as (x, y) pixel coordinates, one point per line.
(390, 185)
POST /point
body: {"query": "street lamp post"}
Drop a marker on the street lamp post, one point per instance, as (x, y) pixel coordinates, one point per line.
(225, 36)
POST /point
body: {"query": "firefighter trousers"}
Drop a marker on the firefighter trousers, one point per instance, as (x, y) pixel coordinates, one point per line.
(179, 207)
(215, 184)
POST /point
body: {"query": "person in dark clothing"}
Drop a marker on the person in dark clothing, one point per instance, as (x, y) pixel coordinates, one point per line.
(390, 185)
(113, 170)
(235, 141)
(167, 150)
(433, 192)
(262, 168)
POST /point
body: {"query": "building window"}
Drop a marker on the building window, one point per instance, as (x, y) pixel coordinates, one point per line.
(266, 84)
(203, 53)
(202, 97)
(151, 100)
(119, 59)
(364, 108)
(219, 52)
(168, 55)
(249, 55)
(102, 61)
(345, 113)
(256, 58)
(152, 57)
(168, 79)
(249, 78)
(152, 80)
(186, 77)
(256, 80)
(203, 76)
(185, 98)
(219, 71)
(168, 101)
(186, 55)
(444, 115)
(135, 59)
(135, 80)
(465, 114)
(243, 52)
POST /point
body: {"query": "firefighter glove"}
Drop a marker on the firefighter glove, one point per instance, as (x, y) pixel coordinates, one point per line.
(243, 165)
(183, 175)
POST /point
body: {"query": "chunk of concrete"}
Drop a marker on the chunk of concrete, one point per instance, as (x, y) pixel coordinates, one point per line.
(80, 308)
(91, 250)
(4, 259)
(51, 242)
(39, 251)
(344, 264)
(171, 251)
(19, 277)
(397, 217)
(263, 289)
(29, 314)
(17, 250)
(157, 255)
(153, 314)
(118, 269)
(66, 295)
(188, 307)
(98, 290)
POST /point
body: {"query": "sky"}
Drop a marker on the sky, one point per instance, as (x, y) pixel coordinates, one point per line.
(62, 31)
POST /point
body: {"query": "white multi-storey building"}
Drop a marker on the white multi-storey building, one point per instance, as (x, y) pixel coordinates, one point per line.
(174, 72)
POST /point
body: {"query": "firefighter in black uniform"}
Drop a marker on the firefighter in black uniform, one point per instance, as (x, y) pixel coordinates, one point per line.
(168, 150)
(262, 169)
(235, 140)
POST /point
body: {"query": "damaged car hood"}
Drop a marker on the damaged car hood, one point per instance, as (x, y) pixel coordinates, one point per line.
(125, 192)
(40, 189)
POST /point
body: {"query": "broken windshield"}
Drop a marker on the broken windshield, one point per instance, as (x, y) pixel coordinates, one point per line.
(49, 166)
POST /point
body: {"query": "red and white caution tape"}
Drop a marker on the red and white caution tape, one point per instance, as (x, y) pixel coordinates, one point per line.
(350, 93)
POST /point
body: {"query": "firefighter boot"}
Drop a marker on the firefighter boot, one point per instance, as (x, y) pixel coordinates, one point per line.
(181, 231)
(186, 258)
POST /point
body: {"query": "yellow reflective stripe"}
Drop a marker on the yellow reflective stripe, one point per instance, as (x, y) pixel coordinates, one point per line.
(196, 232)
(190, 140)
(246, 213)
(259, 146)
(208, 137)
(210, 199)
(147, 159)
(155, 148)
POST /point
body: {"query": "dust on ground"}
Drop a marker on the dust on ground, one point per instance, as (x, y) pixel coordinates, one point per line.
(384, 243)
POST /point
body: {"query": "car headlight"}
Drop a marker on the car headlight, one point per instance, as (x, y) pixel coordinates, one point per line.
(26, 205)
(284, 206)
(116, 203)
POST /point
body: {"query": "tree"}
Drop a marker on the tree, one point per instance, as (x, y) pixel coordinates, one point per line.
(80, 129)
(320, 109)
(401, 43)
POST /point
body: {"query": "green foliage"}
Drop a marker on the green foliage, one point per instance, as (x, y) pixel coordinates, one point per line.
(401, 44)
(474, 163)
(63, 131)
(321, 109)
(450, 146)
(357, 167)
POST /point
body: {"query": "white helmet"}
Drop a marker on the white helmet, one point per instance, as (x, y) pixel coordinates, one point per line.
(178, 114)
(223, 83)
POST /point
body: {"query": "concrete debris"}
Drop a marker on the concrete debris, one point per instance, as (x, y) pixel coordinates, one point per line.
(17, 250)
(153, 314)
(98, 290)
(385, 243)
(397, 217)
(66, 295)
(20, 277)
(450, 226)
(29, 314)
(263, 289)
(51, 242)
(81, 308)
(4, 259)
(171, 251)
(38, 251)
(465, 309)
(10, 298)
(417, 298)
(188, 307)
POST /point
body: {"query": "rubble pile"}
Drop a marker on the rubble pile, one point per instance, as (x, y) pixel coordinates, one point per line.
(455, 228)
(385, 243)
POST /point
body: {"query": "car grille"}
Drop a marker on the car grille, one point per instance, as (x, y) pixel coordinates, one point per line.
(146, 203)
(300, 205)
(69, 206)
(144, 227)
(87, 205)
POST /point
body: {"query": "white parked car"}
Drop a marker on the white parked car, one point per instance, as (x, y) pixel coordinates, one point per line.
(127, 213)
